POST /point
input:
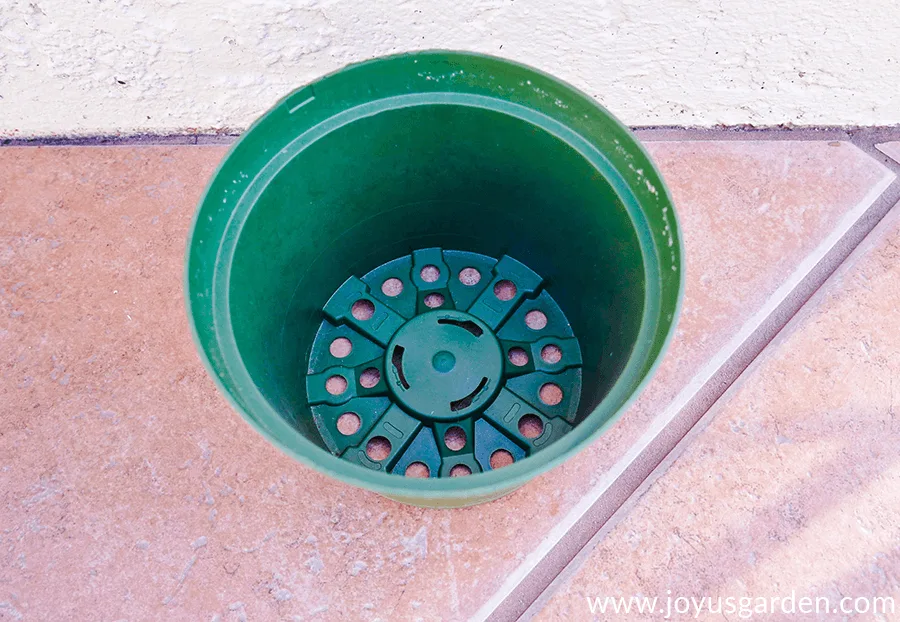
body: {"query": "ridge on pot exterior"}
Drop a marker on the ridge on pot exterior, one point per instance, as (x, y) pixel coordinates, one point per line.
(442, 153)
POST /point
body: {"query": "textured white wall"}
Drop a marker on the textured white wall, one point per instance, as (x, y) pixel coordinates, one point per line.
(72, 67)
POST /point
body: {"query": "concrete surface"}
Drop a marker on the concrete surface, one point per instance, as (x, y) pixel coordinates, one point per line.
(179, 66)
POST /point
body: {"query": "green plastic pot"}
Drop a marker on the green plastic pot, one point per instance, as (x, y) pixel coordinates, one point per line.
(430, 149)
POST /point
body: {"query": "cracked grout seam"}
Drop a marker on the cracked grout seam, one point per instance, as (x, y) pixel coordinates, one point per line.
(645, 133)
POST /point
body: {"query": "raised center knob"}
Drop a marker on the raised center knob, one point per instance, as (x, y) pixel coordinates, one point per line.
(443, 361)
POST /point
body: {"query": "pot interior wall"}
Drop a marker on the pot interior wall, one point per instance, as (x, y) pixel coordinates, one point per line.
(452, 176)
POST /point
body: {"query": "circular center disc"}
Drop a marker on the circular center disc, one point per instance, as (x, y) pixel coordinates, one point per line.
(444, 365)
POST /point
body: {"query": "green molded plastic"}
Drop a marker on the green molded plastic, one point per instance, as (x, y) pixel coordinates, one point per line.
(395, 156)
(443, 366)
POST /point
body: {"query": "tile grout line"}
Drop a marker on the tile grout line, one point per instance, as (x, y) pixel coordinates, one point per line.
(656, 134)
(646, 133)
(127, 140)
(865, 245)
(524, 589)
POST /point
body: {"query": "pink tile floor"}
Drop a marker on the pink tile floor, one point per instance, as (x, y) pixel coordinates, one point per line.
(132, 491)
(792, 482)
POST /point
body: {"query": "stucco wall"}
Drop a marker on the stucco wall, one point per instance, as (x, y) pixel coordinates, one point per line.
(104, 67)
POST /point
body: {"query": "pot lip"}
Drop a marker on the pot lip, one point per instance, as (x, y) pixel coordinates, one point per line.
(642, 360)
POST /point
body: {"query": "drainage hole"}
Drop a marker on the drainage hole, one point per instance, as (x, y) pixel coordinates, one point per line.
(430, 273)
(336, 385)
(531, 426)
(468, 325)
(535, 320)
(518, 357)
(505, 290)
(434, 301)
(551, 353)
(378, 448)
(348, 424)
(455, 438)
(469, 276)
(362, 309)
(417, 469)
(369, 378)
(551, 394)
(340, 347)
(459, 470)
(501, 458)
(467, 400)
(392, 287)
(397, 362)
